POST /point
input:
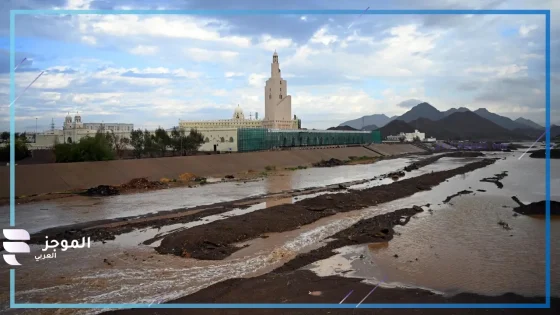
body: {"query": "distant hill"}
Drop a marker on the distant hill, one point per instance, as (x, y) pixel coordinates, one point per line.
(469, 125)
(422, 110)
(454, 110)
(426, 118)
(457, 126)
(379, 120)
(341, 128)
(394, 128)
(433, 129)
(370, 128)
(499, 120)
(529, 123)
(554, 131)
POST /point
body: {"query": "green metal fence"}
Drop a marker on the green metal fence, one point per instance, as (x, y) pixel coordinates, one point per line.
(256, 139)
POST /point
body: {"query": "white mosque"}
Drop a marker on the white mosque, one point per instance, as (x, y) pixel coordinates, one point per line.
(219, 135)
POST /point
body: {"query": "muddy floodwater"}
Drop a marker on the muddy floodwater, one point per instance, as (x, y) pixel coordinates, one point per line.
(455, 247)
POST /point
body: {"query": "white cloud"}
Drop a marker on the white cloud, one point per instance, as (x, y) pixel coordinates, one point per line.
(200, 54)
(89, 40)
(185, 27)
(233, 74)
(269, 43)
(513, 70)
(524, 30)
(144, 50)
(322, 37)
(257, 79)
(303, 18)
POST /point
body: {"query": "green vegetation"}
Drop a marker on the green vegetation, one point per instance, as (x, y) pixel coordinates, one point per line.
(21, 150)
(108, 145)
(97, 148)
(145, 143)
(301, 167)
(270, 168)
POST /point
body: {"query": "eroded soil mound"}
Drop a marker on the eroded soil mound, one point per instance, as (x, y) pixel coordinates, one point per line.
(328, 163)
(541, 154)
(141, 183)
(101, 190)
(538, 207)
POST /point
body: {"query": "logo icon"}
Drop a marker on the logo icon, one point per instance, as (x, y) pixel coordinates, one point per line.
(15, 247)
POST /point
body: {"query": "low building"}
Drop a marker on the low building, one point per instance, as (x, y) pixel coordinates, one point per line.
(74, 130)
(410, 137)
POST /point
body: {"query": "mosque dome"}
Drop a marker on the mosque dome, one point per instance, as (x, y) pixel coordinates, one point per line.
(238, 113)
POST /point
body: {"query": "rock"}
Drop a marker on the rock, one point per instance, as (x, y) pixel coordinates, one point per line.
(396, 256)
(229, 176)
(417, 208)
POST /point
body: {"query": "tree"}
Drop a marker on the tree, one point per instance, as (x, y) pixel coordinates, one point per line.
(193, 141)
(23, 137)
(178, 140)
(416, 139)
(5, 136)
(150, 145)
(20, 147)
(162, 140)
(97, 148)
(117, 142)
(402, 138)
(137, 142)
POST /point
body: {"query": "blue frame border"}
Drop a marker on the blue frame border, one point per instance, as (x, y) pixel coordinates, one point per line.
(546, 13)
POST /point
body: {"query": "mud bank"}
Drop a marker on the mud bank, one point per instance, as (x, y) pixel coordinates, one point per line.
(372, 230)
(541, 154)
(295, 287)
(538, 208)
(287, 284)
(433, 159)
(215, 241)
(496, 179)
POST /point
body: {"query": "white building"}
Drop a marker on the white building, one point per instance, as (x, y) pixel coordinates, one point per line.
(73, 131)
(221, 135)
(410, 136)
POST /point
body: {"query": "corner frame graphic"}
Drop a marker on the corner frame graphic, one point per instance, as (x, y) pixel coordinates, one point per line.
(546, 13)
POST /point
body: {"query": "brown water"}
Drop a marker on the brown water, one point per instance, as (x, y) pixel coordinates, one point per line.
(459, 247)
(473, 252)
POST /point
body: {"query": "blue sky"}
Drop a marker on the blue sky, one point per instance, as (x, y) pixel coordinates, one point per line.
(154, 70)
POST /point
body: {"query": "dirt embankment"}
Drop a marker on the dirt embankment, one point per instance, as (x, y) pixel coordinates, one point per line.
(216, 240)
(541, 154)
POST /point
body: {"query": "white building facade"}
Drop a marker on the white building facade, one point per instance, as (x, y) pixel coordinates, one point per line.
(74, 130)
(410, 136)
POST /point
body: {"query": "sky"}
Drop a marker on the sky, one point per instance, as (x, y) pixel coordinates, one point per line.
(154, 70)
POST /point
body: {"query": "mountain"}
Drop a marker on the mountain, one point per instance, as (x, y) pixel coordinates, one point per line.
(370, 128)
(345, 127)
(454, 110)
(433, 129)
(528, 123)
(469, 125)
(499, 120)
(422, 110)
(376, 119)
(394, 128)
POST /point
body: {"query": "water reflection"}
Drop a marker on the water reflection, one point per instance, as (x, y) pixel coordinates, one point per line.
(277, 184)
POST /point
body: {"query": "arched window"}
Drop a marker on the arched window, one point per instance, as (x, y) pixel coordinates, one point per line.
(206, 140)
(269, 96)
(230, 139)
(280, 96)
(69, 140)
(222, 139)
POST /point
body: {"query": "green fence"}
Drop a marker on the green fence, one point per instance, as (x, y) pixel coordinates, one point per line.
(257, 139)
